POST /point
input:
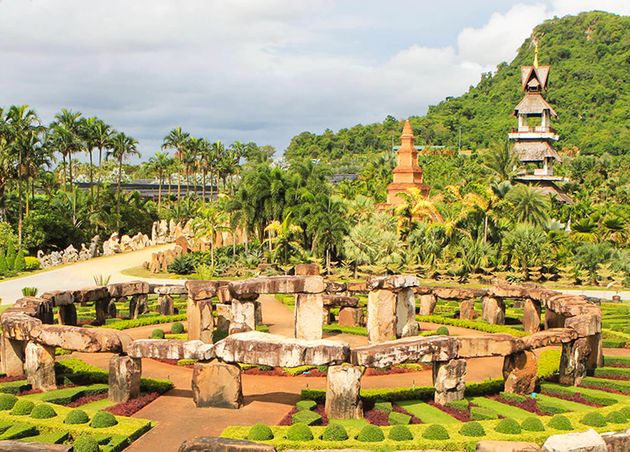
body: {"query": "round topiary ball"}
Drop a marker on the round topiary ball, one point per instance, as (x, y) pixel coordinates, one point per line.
(299, 432)
(157, 334)
(442, 331)
(177, 328)
(260, 432)
(594, 419)
(103, 419)
(7, 401)
(371, 434)
(435, 431)
(616, 417)
(533, 424)
(335, 432)
(22, 408)
(43, 411)
(400, 433)
(473, 428)
(560, 422)
(76, 417)
(509, 426)
(85, 444)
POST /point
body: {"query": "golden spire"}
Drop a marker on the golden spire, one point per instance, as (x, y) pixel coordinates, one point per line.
(536, 54)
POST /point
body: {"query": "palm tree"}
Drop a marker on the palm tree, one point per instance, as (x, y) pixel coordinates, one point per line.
(177, 140)
(207, 163)
(417, 206)
(88, 137)
(529, 205)
(101, 136)
(331, 228)
(160, 163)
(502, 161)
(68, 127)
(208, 223)
(122, 147)
(283, 239)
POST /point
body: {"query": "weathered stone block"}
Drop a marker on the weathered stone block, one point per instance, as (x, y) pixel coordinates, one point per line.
(307, 270)
(493, 310)
(553, 336)
(456, 293)
(585, 324)
(343, 384)
(406, 324)
(406, 350)
(217, 384)
(12, 357)
(171, 349)
(506, 446)
(201, 290)
(494, 345)
(336, 287)
(531, 316)
(588, 441)
(449, 380)
(427, 304)
(393, 282)
(381, 312)
(617, 441)
(68, 315)
(507, 291)
(59, 297)
(90, 294)
(307, 308)
(596, 356)
(340, 301)
(165, 304)
(88, 340)
(37, 307)
(351, 317)
(128, 289)
(467, 310)
(138, 305)
(124, 378)
(553, 320)
(277, 284)
(39, 366)
(213, 444)
(244, 313)
(18, 326)
(224, 316)
(174, 289)
(520, 371)
(28, 446)
(200, 320)
(573, 361)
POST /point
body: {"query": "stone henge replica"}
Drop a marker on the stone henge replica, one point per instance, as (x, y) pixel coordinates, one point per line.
(571, 321)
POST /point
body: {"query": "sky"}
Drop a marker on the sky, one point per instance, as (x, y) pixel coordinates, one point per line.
(256, 70)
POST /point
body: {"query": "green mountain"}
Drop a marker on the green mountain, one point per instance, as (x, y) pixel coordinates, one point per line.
(589, 56)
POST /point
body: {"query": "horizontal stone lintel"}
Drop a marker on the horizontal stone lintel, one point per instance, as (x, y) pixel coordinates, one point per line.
(171, 349)
(277, 285)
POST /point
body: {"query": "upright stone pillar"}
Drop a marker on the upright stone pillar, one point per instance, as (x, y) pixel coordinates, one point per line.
(343, 385)
(112, 310)
(351, 317)
(467, 309)
(308, 308)
(224, 317)
(493, 310)
(165, 304)
(200, 320)
(124, 378)
(101, 306)
(449, 380)
(531, 316)
(381, 312)
(68, 315)
(12, 359)
(217, 384)
(258, 312)
(39, 366)
(520, 371)
(596, 357)
(406, 324)
(427, 304)
(244, 315)
(573, 361)
(553, 319)
(138, 305)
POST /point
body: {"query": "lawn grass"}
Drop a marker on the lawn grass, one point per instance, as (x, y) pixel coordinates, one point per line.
(565, 405)
(586, 391)
(98, 405)
(427, 413)
(502, 408)
(65, 395)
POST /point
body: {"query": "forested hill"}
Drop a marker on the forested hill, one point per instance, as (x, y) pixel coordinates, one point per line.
(589, 56)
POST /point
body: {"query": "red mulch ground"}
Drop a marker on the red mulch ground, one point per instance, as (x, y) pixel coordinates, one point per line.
(601, 388)
(622, 366)
(528, 405)
(399, 409)
(614, 377)
(377, 417)
(463, 416)
(133, 405)
(573, 398)
(287, 419)
(6, 379)
(86, 399)
(319, 409)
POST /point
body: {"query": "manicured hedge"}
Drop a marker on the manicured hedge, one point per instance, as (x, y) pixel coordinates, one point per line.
(299, 432)
(306, 417)
(615, 385)
(509, 426)
(612, 372)
(7, 401)
(400, 433)
(356, 330)
(335, 432)
(145, 321)
(260, 432)
(557, 390)
(560, 422)
(435, 431)
(471, 324)
(43, 411)
(617, 361)
(103, 419)
(472, 428)
(76, 417)
(371, 434)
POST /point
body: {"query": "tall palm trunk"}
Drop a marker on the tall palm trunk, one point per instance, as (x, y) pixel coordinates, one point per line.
(161, 178)
(91, 178)
(118, 190)
(203, 186)
(100, 169)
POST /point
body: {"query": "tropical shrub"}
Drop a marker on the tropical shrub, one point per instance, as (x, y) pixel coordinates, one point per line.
(29, 291)
(335, 432)
(616, 417)
(182, 265)
(157, 334)
(435, 431)
(593, 419)
(560, 422)
(532, 424)
(103, 419)
(7, 401)
(22, 407)
(177, 328)
(19, 264)
(85, 443)
(442, 331)
(508, 425)
(370, 434)
(400, 433)
(260, 432)
(299, 432)
(31, 263)
(43, 411)
(76, 417)
(473, 428)
(306, 405)
(307, 417)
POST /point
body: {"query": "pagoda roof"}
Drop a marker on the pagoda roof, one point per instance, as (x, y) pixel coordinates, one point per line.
(540, 73)
(533, 103)
(535, 151)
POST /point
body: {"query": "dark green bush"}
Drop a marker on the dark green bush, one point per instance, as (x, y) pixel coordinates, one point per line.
(43, 411)
(594, 419)
(260, 432)
(383, 406)
(395, 418)
(182, 265)
(85, 443)
(76, 417)
(435, 431)
(533, 424)
(400, 433)
(511, 397)
(508, 425)
(625, 411)
(616, 417)
(22, 407)
(177, 328)
(307, 417)
(157, 334)
(103, 419)
(299, 432)
(7, 401)
(335, 432)
(442, 331)
(370, 434)
(306, 405)
(478, 413)
(461, 405)
(550, 408)
(473, 428)
(560, 422)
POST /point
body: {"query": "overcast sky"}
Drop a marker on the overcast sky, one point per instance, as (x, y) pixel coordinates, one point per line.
(259, 70)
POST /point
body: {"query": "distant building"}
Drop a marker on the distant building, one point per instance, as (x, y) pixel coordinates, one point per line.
(534, 137)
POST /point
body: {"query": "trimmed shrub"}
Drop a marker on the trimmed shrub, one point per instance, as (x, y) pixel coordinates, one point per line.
(76, 417)
(31, 263)
(335, 432)
(560, 422)
(460, 405)
(383, 406)
(43, 411)
(22, 407)
(157, 334)
(307, 417)
(442, 331)
(473, 428)
(395, 418)
(616, 417)
(594, 419)
(85, 443)
(299, 432)
(533, 424)
(177, 328)
(508, 425)
(435, 431)
(550, 408)
(306, 405)
(400, 433)
(7, 401)
(182, 265)
(625, 411)
(103, 419)
(478, 413)
(19, 263)
(511, 397)
(371, 434)
(260, 432)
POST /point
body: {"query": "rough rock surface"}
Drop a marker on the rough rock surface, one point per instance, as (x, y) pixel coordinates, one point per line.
(277, 284)
(520, 372)
(39, 366)
(200, 319)
(201, 290)
(467, 310)
(617, 441)
(170, 349)
(381, 316)
(393, 282)
(456, 293)
(307, 308)
(11, 357)
(307, 270)
(90, 294)
(553, 320)
(244, 314)
(506, 446)
(214, 444)
(588, 441)
(406, 350)
(124, 378)
(18, 326)
(493, 310)
(27, 446)
(127, 289)
(573, 361)
(165, 305)
(59, 297)
(427, 304)
(170, 289)
(531, 316)
(449, 380)
(585, 324)
(553, 336)
(37, 307)
(217, 384)
(406, 324)
(278, 351)
(351, 317)
(340, 301)
(68, 315)
(494, 345)
(343, 384)
(88, 340)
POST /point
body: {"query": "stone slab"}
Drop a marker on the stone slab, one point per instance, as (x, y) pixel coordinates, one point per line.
(277, 284)
(494, 345)
(215, 444)
(393, 282)
(170, 349)
(406, 350)
(588, 441)
(128, 289)
(79, 339)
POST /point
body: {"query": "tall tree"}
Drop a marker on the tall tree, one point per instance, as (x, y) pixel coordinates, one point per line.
(161, 162)
(178, 140)
(122, 147)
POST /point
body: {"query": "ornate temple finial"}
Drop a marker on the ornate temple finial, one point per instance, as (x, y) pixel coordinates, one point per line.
(407, 129)
(536, 54)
